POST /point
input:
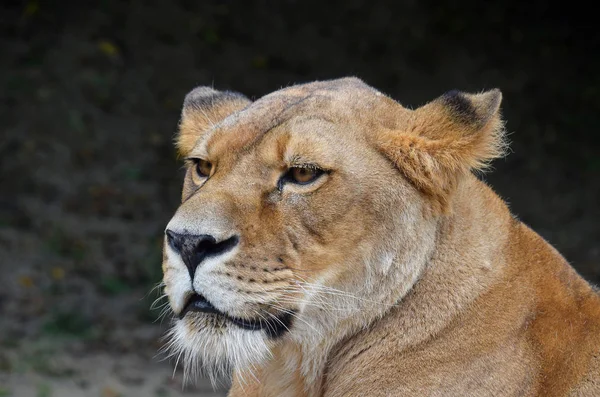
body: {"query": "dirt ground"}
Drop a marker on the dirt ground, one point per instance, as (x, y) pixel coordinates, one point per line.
(89, 101)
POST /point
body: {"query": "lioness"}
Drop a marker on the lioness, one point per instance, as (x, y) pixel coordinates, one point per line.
(331, 242)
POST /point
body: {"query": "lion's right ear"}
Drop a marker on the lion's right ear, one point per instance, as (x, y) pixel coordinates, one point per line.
(204, 107)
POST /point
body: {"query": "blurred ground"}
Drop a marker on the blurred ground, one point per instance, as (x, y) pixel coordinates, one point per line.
(90, 95)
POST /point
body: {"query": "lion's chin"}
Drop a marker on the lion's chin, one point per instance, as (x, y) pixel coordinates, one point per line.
(209, 345)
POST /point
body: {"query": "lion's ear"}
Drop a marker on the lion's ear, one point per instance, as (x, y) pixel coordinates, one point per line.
(445, 139)
(204, 107)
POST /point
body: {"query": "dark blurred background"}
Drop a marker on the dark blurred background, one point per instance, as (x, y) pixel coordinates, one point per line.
(90, 94)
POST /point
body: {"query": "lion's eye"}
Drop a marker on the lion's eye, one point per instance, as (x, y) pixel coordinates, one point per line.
(204, 168)
(304, 175)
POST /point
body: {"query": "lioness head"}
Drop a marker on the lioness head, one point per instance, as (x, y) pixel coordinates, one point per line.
(309, 212)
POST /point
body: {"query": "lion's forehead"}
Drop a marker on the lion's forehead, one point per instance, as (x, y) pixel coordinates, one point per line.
(336, 100)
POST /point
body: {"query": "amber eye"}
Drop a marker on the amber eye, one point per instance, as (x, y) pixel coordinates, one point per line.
(304, 175)
(203, 168)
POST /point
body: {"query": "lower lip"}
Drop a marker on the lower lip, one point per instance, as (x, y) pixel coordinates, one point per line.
(198, 304)
(274, 328)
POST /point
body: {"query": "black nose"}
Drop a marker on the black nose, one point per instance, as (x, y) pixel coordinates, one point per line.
(196, 248)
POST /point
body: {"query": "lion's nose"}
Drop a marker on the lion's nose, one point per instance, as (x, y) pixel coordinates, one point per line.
(194, 249)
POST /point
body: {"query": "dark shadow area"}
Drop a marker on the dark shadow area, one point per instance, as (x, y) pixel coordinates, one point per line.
(90, 94)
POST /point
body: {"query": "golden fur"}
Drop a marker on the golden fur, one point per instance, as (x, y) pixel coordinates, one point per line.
(399, 271)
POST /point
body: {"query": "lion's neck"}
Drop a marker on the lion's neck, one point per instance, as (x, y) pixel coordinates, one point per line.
(467, 259)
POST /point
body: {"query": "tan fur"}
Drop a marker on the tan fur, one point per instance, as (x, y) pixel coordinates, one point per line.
(406, 274)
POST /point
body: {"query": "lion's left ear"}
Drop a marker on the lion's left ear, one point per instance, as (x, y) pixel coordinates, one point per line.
(445, 139)
(204, 107)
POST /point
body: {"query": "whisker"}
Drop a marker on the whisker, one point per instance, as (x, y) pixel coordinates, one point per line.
(278, 320)
(177, 363)
(326, 306)
(291, 313)
(153, 289)
(336, 292)
(163, 314)
(152, 306)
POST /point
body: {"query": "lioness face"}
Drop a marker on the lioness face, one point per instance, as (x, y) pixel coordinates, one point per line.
(291, 219)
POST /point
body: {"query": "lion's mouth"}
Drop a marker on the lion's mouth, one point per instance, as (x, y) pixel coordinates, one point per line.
(274, 326)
